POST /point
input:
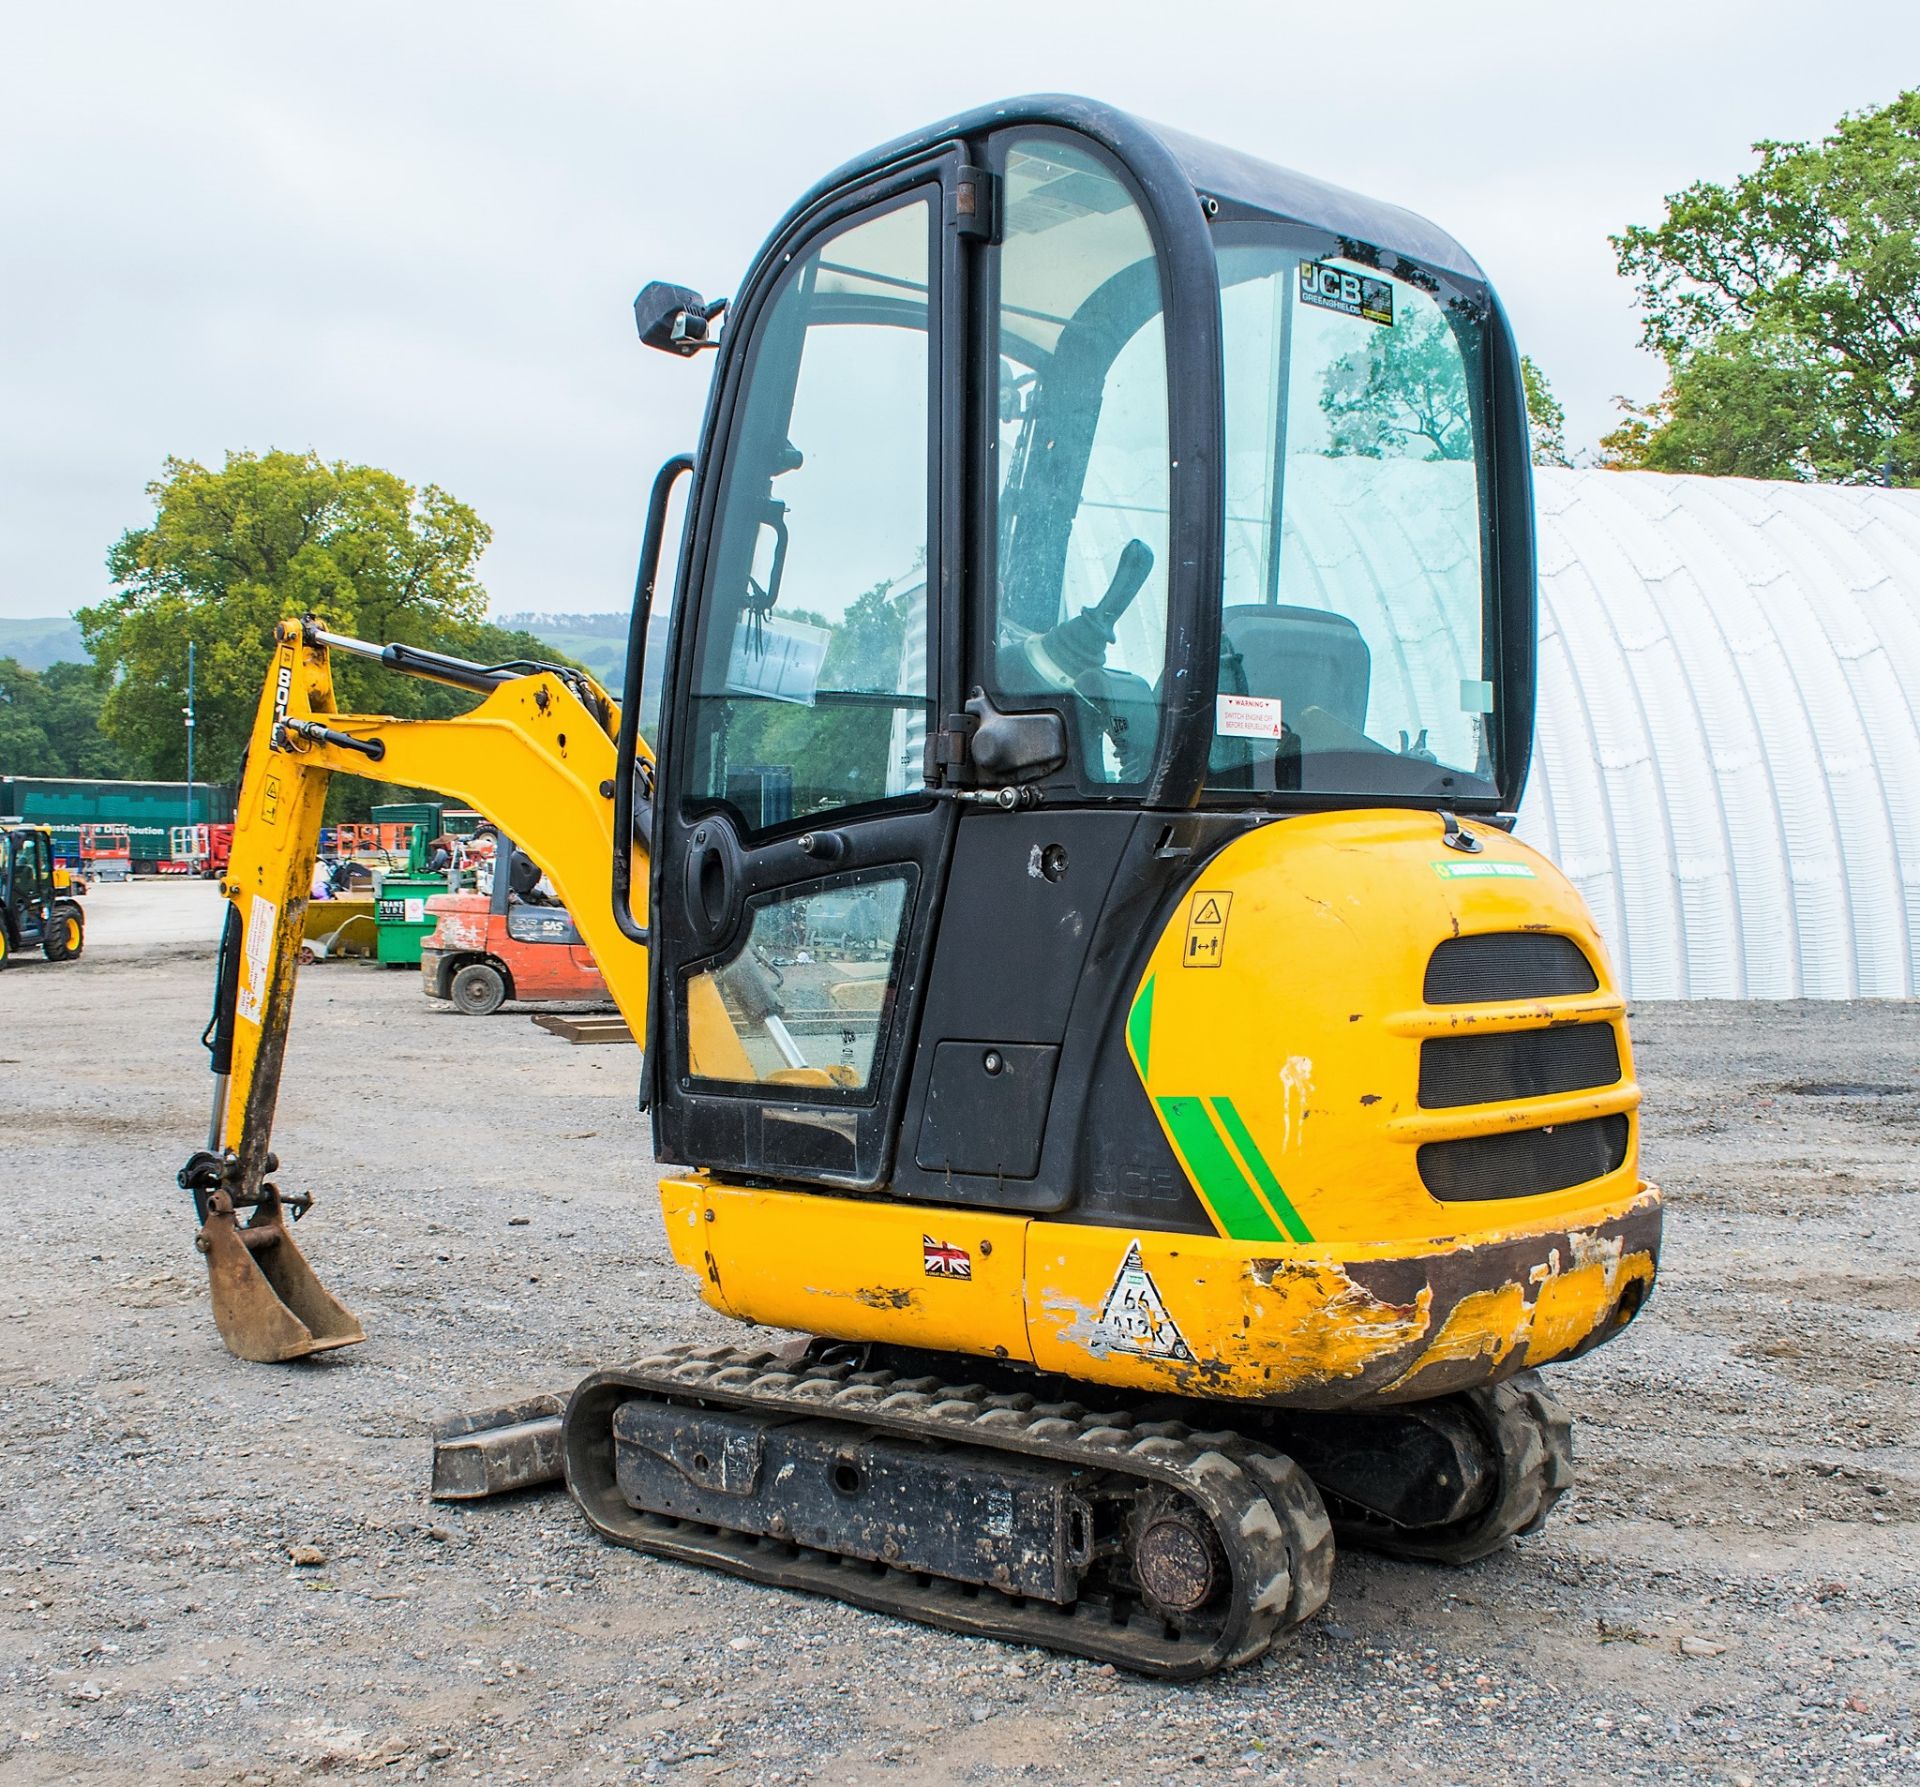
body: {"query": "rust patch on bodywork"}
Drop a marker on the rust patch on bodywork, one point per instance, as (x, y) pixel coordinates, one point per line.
(1403, 1330)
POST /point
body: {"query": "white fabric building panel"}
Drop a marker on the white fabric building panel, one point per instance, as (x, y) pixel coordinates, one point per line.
(1728, 752)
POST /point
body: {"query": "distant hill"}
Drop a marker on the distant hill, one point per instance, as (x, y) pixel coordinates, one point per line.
(598, 641)
(41, 640)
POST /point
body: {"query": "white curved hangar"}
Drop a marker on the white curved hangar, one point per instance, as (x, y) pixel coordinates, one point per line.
(1727, 759)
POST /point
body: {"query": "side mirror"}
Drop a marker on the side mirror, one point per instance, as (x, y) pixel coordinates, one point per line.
(675, 318)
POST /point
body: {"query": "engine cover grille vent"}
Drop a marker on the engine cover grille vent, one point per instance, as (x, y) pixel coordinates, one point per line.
(1523, 1163)
(1457, 1070)
(1499, 966)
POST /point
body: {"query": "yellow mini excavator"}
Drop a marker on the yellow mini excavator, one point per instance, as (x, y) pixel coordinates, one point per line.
(1070, 908)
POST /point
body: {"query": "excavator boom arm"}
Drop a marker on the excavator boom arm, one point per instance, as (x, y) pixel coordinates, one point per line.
(537, 756)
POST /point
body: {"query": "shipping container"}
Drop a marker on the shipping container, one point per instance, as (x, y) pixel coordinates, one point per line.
(149, 811)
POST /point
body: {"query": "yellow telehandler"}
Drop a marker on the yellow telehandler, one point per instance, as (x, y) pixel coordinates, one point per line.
(37, 905)
(1070, 910)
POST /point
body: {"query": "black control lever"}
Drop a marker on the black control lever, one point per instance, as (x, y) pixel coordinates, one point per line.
(1079, 643)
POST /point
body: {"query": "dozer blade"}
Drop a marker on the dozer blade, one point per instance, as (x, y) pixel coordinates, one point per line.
(496, 1451)
(266, 1300)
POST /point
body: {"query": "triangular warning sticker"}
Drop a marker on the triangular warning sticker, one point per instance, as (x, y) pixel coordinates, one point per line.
(1209, 914)
(1134, 1320)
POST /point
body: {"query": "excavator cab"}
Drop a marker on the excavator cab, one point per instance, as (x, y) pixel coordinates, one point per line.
(1073, 495)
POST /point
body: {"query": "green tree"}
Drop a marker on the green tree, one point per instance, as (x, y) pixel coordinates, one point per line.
(1404, 396)
(231, 552)
(1546, 419)
(50, 722)
(1736, 412)
(1787, 307)
(25, 749)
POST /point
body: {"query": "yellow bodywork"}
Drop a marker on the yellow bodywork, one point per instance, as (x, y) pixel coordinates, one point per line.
(1306, 1022)
(1277, 1031)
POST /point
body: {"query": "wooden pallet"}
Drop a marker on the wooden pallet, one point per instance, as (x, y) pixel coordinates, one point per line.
(579, 1027)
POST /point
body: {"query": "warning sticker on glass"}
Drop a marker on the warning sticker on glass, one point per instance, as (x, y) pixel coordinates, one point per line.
(1350, 293)
(250, 998)
(1246, 716)
(1134, 1317)
(777, 658)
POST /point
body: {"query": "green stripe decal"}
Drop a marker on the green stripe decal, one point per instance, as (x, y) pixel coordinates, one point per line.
(1217, 1175)
(1140, 1027)
(1283, 1208)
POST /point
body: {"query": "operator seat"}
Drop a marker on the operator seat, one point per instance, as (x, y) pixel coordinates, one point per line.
(1306, 658)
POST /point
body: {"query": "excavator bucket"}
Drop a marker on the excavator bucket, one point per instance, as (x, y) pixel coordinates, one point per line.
(266, 1300)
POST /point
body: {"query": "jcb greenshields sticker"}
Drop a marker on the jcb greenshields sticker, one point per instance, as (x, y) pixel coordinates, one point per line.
(1350, 293)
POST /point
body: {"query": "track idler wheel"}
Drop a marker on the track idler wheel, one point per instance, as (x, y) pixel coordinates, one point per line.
(1526, 1438)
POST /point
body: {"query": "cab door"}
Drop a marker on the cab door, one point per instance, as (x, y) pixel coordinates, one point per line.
(800, 850)
(31, 888)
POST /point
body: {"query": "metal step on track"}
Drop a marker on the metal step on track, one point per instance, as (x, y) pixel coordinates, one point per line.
(1149, 1545)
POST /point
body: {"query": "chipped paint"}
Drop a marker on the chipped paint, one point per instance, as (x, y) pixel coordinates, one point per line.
(1308, 1325)
(463, 922)
(874, 1296)
(1075, 1323)
(1296, 1081)
(1310, 1330)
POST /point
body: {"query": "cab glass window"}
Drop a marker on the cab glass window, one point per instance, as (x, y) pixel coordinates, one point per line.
(810, 681)
(1355, 650)
(31, 874)
(1082, 474)
(809, 995)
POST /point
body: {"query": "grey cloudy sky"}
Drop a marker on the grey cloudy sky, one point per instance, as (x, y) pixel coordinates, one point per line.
(407, 233)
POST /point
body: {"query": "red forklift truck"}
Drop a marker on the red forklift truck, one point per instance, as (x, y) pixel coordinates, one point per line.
(508, 940)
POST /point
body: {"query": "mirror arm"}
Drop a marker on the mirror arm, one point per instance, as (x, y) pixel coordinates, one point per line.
(777, 520)
(693, 328)
(627, 746)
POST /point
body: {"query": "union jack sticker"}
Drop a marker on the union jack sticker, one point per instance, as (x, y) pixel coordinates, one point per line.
(944, 1261)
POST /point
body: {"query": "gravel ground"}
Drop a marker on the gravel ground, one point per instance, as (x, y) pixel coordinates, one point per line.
(1728, 1596)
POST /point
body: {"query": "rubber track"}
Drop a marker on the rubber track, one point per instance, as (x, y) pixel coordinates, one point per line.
(1265, 1511)
(1531, 1438)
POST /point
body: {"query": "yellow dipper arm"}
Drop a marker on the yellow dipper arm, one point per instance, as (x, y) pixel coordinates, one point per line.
(537, 756)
